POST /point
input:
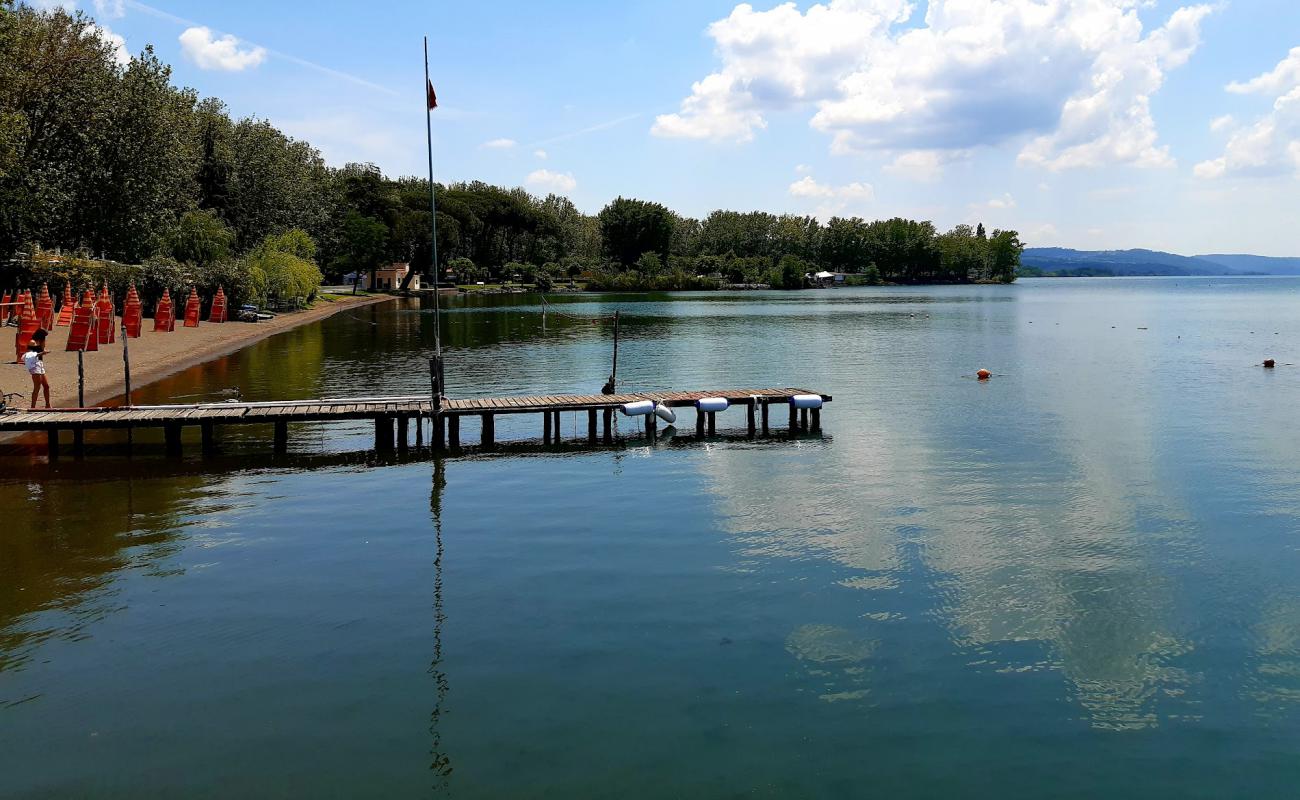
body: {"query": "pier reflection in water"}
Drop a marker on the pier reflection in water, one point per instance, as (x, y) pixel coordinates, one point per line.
(1076, 579)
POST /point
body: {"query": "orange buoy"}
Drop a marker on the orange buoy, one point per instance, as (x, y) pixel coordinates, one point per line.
(1268, 363)
(984, 374)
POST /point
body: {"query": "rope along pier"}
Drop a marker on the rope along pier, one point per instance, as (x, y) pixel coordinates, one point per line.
(392, 416)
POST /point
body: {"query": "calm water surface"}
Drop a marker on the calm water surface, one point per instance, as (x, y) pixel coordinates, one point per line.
(1080, 579)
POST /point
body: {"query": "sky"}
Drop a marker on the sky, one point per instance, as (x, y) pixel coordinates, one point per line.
(1095, 124)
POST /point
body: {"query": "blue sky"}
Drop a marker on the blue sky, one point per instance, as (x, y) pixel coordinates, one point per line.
(1081, 123)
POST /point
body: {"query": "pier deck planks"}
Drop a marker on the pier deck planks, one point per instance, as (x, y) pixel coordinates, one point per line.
(345, 409)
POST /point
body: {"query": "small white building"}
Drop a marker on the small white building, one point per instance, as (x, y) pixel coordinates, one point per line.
(390, 278)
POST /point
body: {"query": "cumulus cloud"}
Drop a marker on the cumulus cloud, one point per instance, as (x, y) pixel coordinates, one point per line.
(1077, 75)
(223, 53)
(113, 9)
(808, 186)
(919, 165)
(558, 182)
(831, 200)
(1004, 202)
(540, 153)
(499, 144)
(1271, 144)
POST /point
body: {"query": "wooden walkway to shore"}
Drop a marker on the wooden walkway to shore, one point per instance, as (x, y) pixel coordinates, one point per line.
(392, 416)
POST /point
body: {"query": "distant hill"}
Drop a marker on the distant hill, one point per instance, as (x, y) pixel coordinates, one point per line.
(1064, 261)
(1268, 265)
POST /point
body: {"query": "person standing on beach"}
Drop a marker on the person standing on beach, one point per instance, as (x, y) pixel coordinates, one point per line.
(33, 360)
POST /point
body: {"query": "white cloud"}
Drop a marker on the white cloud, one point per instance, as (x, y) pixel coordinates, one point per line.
(833, 199)
(559, 182)
(1002, 203)
(808, 186)
(112, 9)
(1110, 121)
(1271, 144)
(223, 53)
(1076, 74)
(541, 154)
(500, 144)
(919, 165)
(802, 169)
(1222, 123)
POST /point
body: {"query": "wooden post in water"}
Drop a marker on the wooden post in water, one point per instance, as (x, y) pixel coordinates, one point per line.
(794, 418)
(608, 426)
(651, 426)
(419, 431)
(453, 431)
(713, 422)
(172, 437)
(208, 432)
(403, 429)
(816, 419)
(78, 443)
(803, 419)
(489, 431)
(126, 362)
(52, 434)
(383, 434)
(281, 437)
(81, 379)
(591, 425)
(765, 409)
(749, 409)
(699, 424)
(546, 427)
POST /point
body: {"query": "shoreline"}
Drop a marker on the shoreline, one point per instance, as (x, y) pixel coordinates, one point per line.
(154, 356)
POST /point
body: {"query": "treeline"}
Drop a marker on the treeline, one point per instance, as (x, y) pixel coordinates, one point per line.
(113, 162)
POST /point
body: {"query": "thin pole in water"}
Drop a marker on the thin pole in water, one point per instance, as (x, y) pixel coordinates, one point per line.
(126, 363)
(613, 375)
(441, 388)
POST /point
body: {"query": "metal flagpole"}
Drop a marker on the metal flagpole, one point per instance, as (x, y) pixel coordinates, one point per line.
(441, 388)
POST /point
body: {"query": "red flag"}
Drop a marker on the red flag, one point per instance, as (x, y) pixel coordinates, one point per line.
(433, 98)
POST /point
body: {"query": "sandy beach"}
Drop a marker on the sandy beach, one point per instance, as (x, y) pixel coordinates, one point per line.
(153, 355)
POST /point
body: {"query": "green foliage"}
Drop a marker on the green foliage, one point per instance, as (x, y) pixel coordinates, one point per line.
(463, 269)
(631, 228)
(789, 274)
(200, 237)
(362, 244)
(278, 270)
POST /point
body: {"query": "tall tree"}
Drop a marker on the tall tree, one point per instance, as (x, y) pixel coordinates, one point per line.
(630, 228)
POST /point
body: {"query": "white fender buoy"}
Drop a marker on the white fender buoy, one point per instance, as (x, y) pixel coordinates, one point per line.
(665, 413)
(638, 409)
(806, 401)
(712, 404)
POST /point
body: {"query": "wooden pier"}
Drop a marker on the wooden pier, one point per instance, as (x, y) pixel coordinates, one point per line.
(392, 417)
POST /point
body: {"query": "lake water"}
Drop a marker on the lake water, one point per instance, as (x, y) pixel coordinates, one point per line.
(1079, 579)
